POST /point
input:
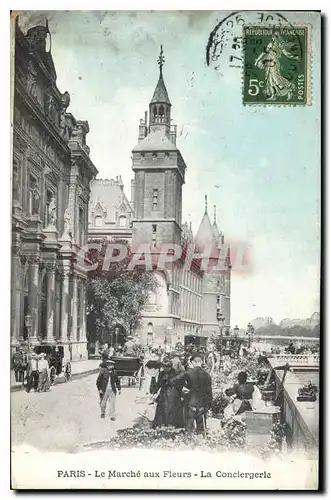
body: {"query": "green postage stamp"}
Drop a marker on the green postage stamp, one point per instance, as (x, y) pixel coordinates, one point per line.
(276, 65)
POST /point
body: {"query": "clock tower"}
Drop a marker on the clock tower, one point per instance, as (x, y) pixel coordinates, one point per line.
(159, 173)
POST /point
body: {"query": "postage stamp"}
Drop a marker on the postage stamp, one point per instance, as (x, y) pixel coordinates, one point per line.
(276, 65)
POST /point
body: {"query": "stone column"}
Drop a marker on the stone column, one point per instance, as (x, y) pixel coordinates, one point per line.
(50, 303)
(33, 299)
(80, 308)
(15, 299)
(64, 306)
(84, 311)
(73, 332)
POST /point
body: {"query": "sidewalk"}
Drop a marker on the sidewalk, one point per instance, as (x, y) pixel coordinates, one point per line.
(79, 369)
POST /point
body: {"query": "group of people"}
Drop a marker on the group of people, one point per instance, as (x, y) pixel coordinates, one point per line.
(175, 381)
(180, 387)
(33, 370)
(130, 348)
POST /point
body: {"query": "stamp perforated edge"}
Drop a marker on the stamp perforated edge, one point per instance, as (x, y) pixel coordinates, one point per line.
(309, 64)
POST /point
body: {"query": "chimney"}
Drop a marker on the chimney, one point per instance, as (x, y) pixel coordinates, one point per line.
(143, 128)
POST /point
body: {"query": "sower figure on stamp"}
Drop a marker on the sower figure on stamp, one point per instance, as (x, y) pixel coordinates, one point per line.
(198, 394)
(108, 385)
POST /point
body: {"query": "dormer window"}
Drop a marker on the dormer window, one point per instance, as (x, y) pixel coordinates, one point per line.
(122, 220)
(98, 221)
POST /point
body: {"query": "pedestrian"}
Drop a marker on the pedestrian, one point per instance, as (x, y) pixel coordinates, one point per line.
(43, 368)
(176, 362)
(210, 361)
(130, 347)
(108, 385)
(168, 396)
(242, 395)
(196, 383)
(17, 364)
(152, 368)
(33, 373)
(105, 352)
(217, 361)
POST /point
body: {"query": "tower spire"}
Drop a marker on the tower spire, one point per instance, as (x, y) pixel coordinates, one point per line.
(214, 214)
(206, 204)
(161, 60)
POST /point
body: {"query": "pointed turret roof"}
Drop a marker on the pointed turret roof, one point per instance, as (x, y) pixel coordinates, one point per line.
(215, 229)
(160, 93)
(204, 235)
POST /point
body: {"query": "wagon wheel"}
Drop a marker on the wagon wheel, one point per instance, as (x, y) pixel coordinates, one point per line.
(52, 375)
(67, 372)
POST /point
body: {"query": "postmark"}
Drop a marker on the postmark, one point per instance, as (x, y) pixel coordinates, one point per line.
(276, 65)
(225, 41)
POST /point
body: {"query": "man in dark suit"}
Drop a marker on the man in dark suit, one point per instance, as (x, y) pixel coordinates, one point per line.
(108, 385)
(198, 394)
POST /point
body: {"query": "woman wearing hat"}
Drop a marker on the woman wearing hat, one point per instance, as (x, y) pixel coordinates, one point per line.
(169, 409)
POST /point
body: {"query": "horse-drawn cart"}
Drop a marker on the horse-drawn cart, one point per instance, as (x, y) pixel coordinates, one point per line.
(126, 366)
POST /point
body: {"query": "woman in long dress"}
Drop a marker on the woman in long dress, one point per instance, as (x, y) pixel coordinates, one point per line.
(151, 370)
(169, 409)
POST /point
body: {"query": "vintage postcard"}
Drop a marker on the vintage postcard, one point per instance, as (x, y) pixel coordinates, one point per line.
(165, 310)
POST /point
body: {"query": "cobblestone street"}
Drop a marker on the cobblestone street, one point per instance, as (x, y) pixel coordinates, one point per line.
(68, 416)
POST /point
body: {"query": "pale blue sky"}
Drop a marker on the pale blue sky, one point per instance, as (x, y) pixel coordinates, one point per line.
(265, 160)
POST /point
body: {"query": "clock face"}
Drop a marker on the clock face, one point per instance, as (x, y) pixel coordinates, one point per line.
(225, 44)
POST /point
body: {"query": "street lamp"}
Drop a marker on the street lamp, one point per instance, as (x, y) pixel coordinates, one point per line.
(250, 333)
(28, 324)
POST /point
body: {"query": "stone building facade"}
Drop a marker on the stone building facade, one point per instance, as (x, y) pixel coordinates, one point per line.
(52, 171)
(187, 300)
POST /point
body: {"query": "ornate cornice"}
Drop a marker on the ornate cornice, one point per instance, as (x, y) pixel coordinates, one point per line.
(38, 113)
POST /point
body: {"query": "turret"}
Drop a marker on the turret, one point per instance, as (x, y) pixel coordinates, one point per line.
(160, 106)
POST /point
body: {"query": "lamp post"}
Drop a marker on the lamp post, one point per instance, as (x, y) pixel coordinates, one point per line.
(220, 320)
(28, 324)
(250, 333)
(116, 337)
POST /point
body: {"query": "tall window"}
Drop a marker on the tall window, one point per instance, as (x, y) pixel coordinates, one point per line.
(154, 234)
(155, 198)
(32, 188)
(49, 196)
(81, 226)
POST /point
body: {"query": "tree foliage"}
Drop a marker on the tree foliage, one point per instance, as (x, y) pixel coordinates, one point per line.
(115, 295)
(293, 331)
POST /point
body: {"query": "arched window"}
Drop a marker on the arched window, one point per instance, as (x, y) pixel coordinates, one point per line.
(161, 110)
(98, 220)
(122, 220)
(149, 333)
(154, 111)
